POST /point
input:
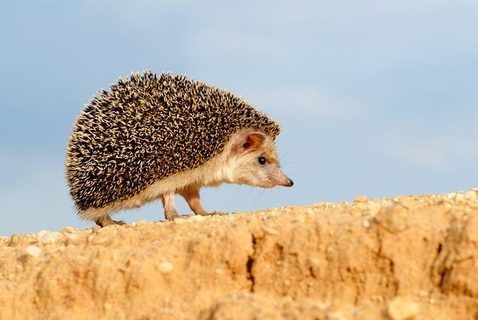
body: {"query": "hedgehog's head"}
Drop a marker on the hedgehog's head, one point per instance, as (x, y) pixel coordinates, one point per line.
(254, 161)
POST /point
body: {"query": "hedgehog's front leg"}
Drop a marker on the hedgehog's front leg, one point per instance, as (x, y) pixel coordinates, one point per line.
(169, 208)
(191, 195)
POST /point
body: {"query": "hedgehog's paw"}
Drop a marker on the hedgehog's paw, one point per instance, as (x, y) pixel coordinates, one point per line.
(173, 215)
(107, 221)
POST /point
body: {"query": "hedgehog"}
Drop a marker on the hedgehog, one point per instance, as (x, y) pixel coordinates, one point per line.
(152, 136)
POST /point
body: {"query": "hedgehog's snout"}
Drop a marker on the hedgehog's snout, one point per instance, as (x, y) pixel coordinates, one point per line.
(276, 177)
(283, 180)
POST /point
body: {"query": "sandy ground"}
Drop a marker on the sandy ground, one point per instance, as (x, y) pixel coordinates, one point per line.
(410, 257)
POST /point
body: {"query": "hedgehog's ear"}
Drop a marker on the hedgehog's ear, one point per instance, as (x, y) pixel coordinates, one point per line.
(249, 141)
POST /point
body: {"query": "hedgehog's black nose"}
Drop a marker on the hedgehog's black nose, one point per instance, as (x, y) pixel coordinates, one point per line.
(291, 183)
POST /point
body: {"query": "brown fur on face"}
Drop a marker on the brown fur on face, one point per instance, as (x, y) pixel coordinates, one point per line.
(246, 167)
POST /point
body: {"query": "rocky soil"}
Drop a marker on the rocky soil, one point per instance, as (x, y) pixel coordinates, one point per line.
(412, 257)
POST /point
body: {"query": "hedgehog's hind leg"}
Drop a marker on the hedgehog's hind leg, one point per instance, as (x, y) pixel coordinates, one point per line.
(169, 208)
(106, 220)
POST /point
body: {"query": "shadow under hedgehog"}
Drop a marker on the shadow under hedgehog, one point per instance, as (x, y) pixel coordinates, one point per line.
(152, 136)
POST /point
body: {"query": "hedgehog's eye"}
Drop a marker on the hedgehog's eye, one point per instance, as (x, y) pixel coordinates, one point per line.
(262, 160)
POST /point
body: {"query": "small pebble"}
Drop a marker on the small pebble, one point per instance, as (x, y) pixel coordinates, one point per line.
(166, 267)
(337, 315)
(73, 236)
(33, 251)
(46, 237)
(361, 199)
(197, 218)
(69, 229)
(402, 308)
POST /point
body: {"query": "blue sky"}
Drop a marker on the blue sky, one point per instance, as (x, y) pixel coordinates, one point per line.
(376, 98)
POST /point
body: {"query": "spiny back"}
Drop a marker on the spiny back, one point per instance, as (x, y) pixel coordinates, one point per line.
(147, 128)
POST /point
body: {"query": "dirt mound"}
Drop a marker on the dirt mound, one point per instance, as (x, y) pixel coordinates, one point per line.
(401, 258)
